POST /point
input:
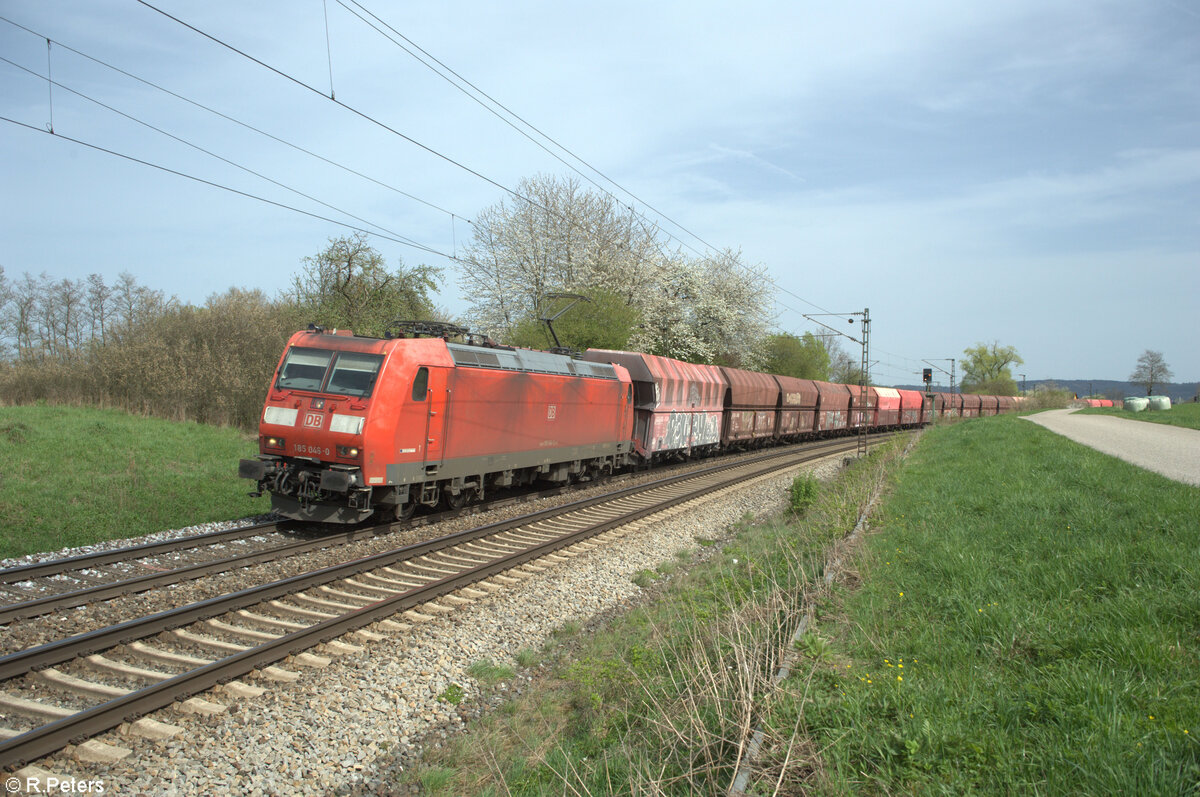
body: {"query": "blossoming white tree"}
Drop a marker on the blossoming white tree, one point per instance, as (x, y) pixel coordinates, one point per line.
(570, 239)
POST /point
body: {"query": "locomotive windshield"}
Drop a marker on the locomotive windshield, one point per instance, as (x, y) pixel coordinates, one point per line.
(324, 371)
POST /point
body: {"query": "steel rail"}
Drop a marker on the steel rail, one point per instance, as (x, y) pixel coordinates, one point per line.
(131, 553)
(114, 589)
(47, 738)
(127, 586)
(54, 567)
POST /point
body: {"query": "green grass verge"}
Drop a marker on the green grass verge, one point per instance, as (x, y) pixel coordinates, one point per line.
(1022, 620)
(1186, 415)
(71, 476)
(1026, 623)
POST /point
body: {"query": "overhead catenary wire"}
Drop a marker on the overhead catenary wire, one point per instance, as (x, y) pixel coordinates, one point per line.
(198, 148)
(391, 235)
(238, 122)
(361, 114)
(358, 112)
(458, 82)
(230, 189)
(755, 273)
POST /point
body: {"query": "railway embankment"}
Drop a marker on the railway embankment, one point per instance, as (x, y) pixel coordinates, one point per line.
(75, 476)
(1019, 617)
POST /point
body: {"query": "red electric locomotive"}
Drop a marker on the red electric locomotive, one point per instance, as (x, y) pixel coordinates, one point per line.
(355, 426)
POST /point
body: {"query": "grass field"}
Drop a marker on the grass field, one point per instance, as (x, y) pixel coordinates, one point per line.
(71, 476)
(1022, 619)
(1186, 415)
(1026, 624)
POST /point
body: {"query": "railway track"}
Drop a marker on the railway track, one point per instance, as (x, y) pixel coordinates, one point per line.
(72, 689)
(36, 589)
(42, 587)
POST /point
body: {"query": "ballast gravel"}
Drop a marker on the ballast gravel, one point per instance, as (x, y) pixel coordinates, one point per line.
(350, 727)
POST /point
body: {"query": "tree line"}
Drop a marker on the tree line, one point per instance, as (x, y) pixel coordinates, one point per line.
(126, 345)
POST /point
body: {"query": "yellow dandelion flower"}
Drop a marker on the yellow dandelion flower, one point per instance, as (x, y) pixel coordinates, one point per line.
(901, 666)
(1151, 716)
(901, 594)
(899, 677)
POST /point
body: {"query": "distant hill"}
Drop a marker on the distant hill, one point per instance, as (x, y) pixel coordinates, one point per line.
(1104, 388)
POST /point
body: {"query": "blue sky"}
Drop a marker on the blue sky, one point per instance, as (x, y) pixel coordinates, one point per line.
(1027, 172)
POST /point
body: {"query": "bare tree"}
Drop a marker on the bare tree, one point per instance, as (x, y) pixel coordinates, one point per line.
(1151, 370)
(99, 306)
(6, 330)
(68, 303)
(135, 304)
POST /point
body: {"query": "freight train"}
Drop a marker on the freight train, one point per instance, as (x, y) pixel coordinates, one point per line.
(357, 427)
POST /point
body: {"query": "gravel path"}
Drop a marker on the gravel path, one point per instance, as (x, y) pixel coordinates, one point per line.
(348, 728)
(1171, 451)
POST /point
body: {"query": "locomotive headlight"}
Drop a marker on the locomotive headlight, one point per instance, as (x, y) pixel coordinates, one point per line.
(273, 442)
(347, 424)
(349, 452)
(281, 416)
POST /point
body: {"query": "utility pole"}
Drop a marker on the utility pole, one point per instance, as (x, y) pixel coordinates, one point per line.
(1022, 384)
(950, 373)
(864, 368)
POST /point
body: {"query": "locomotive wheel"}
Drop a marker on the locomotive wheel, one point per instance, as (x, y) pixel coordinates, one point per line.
(451, 501)
(406, 511)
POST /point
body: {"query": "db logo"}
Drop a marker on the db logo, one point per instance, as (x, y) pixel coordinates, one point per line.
(551, 412)
(313, 420)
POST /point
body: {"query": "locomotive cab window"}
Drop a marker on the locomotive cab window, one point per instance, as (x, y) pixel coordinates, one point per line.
(354, 374)
(304, 369)
(324, 371)
(421, 384)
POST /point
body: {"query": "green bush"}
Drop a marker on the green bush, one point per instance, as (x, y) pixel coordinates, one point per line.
(804, 492)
